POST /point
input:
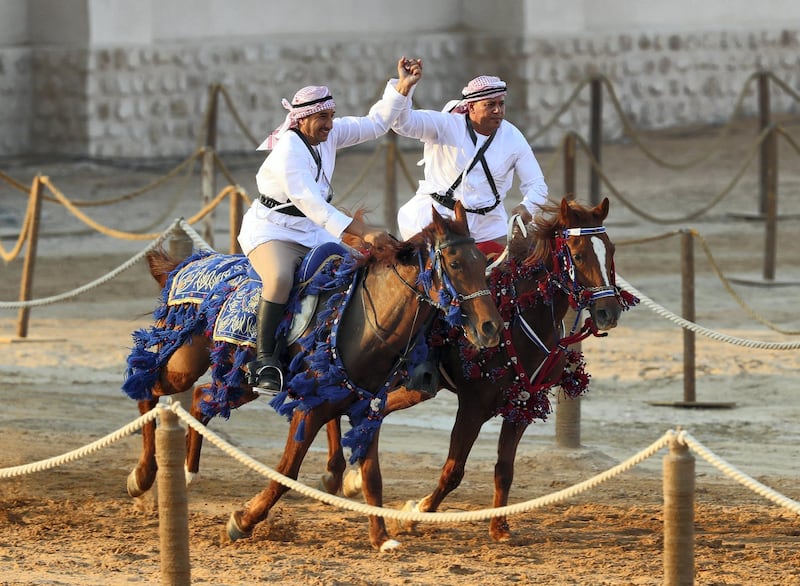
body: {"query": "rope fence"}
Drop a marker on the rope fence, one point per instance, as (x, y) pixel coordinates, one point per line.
(678, 475)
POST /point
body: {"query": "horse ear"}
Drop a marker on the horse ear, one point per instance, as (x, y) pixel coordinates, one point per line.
(564, 213)
(518, 246)
(460, 214)
(602, 208)
(437, 221)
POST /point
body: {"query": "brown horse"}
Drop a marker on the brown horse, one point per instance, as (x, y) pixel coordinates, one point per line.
(564, 259)
(344, 363)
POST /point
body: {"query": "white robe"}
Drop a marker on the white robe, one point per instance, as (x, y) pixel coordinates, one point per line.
(288, 174)
(448, 151)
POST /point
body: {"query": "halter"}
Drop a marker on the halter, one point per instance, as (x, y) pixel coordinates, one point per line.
(580, 297)
(450, 300)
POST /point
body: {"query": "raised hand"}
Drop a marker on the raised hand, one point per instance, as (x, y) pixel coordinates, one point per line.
(409, 72)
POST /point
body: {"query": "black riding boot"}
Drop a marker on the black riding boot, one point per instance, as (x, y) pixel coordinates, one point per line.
(266, 371)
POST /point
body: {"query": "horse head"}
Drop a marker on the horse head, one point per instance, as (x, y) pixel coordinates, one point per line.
(457, 279)
(590, 262)
(569, 242)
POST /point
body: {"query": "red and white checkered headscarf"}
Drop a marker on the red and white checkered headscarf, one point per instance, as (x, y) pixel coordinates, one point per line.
(307, 101)
(482, 87)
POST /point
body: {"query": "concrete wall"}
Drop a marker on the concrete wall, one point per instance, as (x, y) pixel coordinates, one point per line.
(112, 78)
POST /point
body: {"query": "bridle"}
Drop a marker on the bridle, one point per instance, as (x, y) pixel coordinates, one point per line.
(448, 299)
(561, 276)
(580, 296)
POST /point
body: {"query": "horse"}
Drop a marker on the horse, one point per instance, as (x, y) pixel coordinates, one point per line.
(564, 259)
(343, 360)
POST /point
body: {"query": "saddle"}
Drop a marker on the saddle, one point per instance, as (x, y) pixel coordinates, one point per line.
(231, 280)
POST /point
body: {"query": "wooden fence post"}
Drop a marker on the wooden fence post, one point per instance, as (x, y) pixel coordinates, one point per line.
(208, 186)
(173, 507)
(595, 138)
(678, 486)
(235, 220)
(29, 263)
(568, 410)
(688, 310)
(770, 176)
(570, 188)
(764, 122)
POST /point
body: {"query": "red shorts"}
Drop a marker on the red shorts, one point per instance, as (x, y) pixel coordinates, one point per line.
(491, 249)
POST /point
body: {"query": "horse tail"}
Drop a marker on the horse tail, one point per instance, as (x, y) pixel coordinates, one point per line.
(161, 265)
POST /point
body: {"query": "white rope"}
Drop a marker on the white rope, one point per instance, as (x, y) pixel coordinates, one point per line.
(183, 224)
(740, 477)
(417, 516)
(103, 442)
(196, 238)
(686, 324)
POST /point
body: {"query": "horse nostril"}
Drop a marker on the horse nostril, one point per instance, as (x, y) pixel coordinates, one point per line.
(489, 329)
(606, 318)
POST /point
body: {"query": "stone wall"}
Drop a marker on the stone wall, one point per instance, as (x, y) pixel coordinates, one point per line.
(16, 100)
(142, 101)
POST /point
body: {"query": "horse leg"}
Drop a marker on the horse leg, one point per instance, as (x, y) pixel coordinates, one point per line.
(510, 435)
(465, 431)
(372, 488)
(332, 480)
(142, 477)
(397, 400)
(241, 523)
(194, 439)
(184, 367)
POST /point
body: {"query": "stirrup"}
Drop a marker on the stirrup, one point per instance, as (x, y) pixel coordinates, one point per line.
(266, 375)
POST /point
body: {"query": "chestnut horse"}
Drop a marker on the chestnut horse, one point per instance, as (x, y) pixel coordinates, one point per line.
(564, 259)
(344, 363)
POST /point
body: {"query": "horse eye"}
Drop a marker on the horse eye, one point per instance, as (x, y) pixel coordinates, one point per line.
(578, 258)
(454, 264)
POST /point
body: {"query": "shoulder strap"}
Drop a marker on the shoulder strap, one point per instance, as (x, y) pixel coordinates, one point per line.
(314, 153)
(478, 157)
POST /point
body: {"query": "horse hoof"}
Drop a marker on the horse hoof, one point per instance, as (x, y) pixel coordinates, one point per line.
(390, 545)
(327, 483)
(133, 485)
(234, 531)
(351, 485)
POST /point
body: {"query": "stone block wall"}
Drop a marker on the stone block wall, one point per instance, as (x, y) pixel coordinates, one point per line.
(142, 101)
(16, 100)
